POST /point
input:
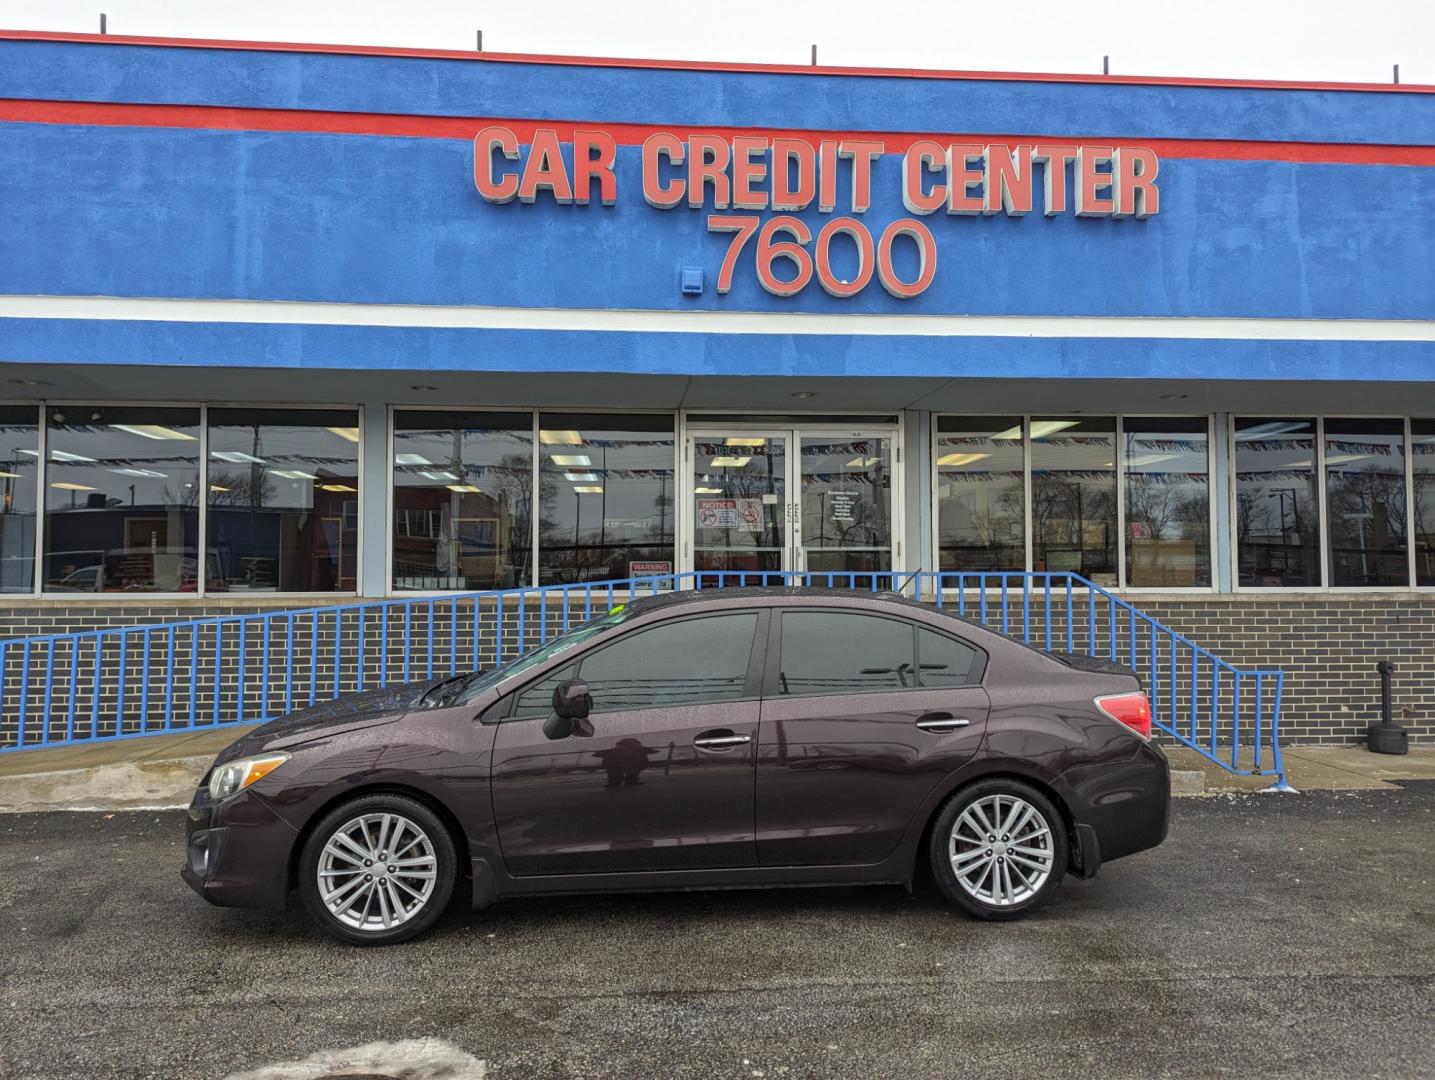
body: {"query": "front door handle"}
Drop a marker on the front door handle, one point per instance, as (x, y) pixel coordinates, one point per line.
(941, 721)
(720, 740)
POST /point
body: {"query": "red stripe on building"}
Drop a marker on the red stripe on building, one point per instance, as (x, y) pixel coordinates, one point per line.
(711, 65)
(218, 118)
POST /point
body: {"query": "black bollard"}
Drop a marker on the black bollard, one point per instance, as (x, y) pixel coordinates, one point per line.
(1386, 737)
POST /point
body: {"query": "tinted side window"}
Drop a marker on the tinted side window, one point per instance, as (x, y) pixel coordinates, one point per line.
(845, 653)
(536, 699)
(944, 661)
(693, 662)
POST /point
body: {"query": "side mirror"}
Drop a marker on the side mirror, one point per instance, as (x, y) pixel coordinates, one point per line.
(571, 702)
(571, 699)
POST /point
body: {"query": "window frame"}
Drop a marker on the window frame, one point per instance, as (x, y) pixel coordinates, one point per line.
(1119, 463)
(390, 502)
(771, 686)
(43, 405)
(1325, 586)
(752, 685)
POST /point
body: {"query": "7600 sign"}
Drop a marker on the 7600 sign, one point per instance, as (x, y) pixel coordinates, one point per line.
(871, 258)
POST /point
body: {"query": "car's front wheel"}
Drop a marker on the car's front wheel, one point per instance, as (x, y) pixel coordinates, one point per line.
(377, 870)
(998, 849)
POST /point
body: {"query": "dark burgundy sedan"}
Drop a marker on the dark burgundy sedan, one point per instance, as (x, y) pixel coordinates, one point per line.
(741, 737)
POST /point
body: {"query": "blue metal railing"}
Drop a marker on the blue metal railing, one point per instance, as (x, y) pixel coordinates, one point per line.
(130, 681)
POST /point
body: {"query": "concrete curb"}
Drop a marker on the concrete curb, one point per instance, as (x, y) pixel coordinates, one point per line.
(137, 785)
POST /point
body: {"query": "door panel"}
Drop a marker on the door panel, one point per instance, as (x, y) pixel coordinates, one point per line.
(739, 502)
(636, 795)
(846, 487)
(839, 777)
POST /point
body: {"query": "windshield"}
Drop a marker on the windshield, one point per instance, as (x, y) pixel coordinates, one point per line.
(473, 685)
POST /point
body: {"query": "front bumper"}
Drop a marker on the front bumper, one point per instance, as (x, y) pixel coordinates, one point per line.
(237, 851)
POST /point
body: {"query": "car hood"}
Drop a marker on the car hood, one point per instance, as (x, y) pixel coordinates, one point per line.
(346, 713)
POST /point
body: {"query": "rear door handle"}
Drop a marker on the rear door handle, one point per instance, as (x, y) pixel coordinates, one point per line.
(941, 721)
(721, 740)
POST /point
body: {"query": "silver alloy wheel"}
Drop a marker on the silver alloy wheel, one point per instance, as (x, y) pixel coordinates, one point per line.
(377, 872)
(1001, 850)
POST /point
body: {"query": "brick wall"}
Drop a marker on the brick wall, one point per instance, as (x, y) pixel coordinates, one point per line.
(1327, 644)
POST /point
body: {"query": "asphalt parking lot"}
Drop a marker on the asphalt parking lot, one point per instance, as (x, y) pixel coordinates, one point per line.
(1272, 935)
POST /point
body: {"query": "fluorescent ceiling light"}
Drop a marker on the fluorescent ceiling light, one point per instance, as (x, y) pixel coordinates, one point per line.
(64, 455)
(592, 489)
(570, 460)
(730, 462)
(1143, 459)
(154, 431)
(1275, 427)
(465, 489)
(411, 459)
(293, 474)
(1040, 429)
(139, 472)
(445, 475)
(65, 486)
(746, 442)
(1345, 459)
(580, 477)
(338, 487)
(560, 438)
(350, 433)
(861, 462)
(216, 487)
(236, 457)
(708, 491)
(956, 461)
(10, 475)
(30, 453)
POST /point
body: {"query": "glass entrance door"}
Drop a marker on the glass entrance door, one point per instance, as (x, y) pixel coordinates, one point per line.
(799, 499)
(738, 485)
(846, 486)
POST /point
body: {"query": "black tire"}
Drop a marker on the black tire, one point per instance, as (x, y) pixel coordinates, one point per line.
(437, 845)
(1022, 901)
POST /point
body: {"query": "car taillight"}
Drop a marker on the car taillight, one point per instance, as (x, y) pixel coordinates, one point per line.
(1133, 710)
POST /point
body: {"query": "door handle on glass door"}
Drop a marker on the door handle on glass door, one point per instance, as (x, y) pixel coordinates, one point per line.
(941, 721)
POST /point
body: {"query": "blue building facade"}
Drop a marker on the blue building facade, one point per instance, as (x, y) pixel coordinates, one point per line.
(284, 322)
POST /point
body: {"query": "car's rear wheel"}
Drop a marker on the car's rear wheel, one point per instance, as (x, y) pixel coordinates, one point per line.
(377, 870)
(998, 849)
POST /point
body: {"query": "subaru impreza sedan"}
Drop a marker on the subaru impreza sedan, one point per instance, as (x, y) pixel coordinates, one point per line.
(707, 739)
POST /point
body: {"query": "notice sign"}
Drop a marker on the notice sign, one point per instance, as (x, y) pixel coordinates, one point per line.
(717, 513)
(843, 505)
(649, 568)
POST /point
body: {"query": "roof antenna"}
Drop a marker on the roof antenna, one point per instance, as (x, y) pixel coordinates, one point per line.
(814, 56)
(1397, 74)
(480, 41)
(1106, 65)
(105, 29)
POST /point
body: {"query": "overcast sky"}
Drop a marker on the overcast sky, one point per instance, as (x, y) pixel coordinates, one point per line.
(1278, 39)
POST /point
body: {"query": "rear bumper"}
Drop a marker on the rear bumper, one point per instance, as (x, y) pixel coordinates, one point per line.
(1125, 804)
(236, 852)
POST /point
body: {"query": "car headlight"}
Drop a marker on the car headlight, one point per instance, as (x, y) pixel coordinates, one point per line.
(237, 775)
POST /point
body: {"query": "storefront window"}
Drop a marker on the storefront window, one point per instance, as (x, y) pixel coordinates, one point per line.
(19, 465)
(1168, 501)
(981, 520)
(1277, 508)
(1422, 455)
(1365, 502)
(283, 500)
(1073, 496)
(605, 495)
(463, 499)
(121, 499)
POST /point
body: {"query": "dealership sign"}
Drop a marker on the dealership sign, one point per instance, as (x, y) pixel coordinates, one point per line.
(752, 173)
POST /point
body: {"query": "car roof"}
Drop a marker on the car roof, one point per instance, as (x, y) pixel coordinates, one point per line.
(815, 595)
